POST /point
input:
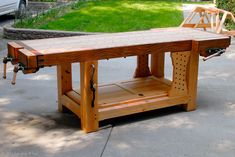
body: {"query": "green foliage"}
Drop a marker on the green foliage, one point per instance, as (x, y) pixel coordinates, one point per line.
(228, 5)
(110, 16)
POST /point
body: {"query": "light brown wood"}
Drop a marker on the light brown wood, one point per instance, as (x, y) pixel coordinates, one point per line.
(199, 25)
(140, 106)
(13, 49)
(180, 64)
(142, 69)
(131, 100)
(192, 75)
(127, 97)
(71, 105)
(75, 96)
(89, 118)
(188, 19)
(64, 82)
(217, 21)
(157, 64)
(219, 30)
(115, 45)
(212, 22)
(139, 89)
(129, 90)
(229, 33)
(205, 12)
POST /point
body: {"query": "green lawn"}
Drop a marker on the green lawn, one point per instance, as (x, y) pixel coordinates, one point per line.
(113, 16)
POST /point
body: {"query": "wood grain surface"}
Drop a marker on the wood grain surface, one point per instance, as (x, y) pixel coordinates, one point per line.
(56, 51)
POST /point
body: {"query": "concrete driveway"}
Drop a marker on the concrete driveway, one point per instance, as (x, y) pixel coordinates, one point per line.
(31, 126)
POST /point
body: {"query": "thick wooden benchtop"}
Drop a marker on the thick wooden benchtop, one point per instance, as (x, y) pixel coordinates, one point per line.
(113, 45)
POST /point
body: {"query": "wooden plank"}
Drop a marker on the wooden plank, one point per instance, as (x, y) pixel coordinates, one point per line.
(132, 90)
(129, 100)
(13, 48)
(64, 82)
(74, 96)
(203, 45)
(199, 25)
(186, 20)
(212, 22)
(146, 87)
(142, 68)
(200, 22)
(207, 17)
(229, 33)
(180, 63)
(190, 18)
(217, 21)
(29, 59)
(124, 88)
(163, 80)
(115, 45)
(89, 55)
(157, 64)
(140, 106)
(113, 93)
(222, 23)
(89, 117)
(71, 105)
(113, 40)
(192, 77)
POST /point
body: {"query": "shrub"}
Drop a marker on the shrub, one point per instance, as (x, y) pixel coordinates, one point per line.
(228, 5)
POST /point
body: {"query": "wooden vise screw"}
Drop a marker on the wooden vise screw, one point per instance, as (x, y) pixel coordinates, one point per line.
(5, 60)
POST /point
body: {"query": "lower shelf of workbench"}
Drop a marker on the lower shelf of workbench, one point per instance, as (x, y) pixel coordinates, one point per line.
(128, 97)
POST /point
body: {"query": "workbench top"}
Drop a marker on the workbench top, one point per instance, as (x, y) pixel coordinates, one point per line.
(113, 40)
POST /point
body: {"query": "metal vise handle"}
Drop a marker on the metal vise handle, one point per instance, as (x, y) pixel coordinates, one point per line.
(214, 53)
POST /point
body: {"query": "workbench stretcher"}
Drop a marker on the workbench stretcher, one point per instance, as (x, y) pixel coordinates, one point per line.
(148, 90)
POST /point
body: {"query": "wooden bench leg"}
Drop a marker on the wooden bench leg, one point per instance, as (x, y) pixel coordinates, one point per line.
(192, 77)
(89, 108)
(142, 69)
(180, 61)
(185, 75)
(64, 82)
(157, 64)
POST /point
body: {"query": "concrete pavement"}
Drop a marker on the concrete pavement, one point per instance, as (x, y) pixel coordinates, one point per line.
(31, 126)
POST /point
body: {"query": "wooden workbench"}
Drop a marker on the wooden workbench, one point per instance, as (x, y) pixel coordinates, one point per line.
(148, 90)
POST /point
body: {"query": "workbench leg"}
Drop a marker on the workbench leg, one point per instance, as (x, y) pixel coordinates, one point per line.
(142, 69)
(192, 77)
(64, 82)
(89, 108)
(157, 64)
(180, 60)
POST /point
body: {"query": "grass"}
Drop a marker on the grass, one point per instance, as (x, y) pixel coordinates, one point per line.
(200, 2)
(111, 16)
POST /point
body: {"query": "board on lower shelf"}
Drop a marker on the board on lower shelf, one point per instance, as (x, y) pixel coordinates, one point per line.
(129, 97)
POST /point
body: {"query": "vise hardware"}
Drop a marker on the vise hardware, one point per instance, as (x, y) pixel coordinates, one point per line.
(92, 86)
(213, 52)
(5, 61)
